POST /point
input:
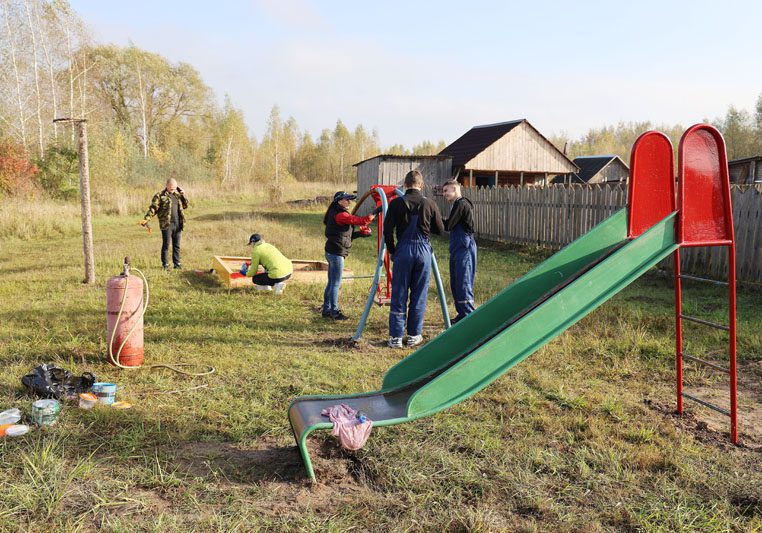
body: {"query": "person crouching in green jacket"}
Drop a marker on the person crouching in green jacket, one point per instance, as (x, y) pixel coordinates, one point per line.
(278, 267)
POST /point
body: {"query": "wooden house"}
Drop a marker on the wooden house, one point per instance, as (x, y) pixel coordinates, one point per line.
(597, 169)
(746, 171)
(507, 153)
(387, 169)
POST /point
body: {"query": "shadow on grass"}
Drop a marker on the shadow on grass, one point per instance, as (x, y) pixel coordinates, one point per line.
(203, 279)
(226, 216)
(295, 217)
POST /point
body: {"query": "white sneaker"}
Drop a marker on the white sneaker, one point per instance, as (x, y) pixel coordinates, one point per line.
(263, 287)
(280, 287)
(413, 340)
(394, 342)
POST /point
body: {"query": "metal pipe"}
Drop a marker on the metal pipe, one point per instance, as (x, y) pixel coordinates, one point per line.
(707, 363)
(707, 404)
(379, 264)
(705, 322)
(732, 317)
(440, 292)
(678, 331)
(705, 280)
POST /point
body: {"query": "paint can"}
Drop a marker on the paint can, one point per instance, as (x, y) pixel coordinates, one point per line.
(106, 392)
(45, 412)
(87, 400)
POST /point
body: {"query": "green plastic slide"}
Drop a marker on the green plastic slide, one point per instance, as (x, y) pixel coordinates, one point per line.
(503, 331)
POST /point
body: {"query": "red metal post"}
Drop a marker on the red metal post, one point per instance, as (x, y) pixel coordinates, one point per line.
(732, 325)
(678, 331)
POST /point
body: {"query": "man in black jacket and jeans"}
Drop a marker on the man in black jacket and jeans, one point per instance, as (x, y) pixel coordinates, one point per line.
(411, 219)
(168, 206)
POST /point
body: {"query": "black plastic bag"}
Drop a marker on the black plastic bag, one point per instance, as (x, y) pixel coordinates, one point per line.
(50, 381)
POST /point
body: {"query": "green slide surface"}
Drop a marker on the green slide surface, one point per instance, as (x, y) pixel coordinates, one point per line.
(502, 332)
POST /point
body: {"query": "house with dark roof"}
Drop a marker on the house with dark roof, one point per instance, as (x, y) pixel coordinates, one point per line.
(597, 169)
(506, 153)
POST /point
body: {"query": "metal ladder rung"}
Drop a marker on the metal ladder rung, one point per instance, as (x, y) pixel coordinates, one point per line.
(713, 281)
(706, 404)
(704, 322)
(707, 363)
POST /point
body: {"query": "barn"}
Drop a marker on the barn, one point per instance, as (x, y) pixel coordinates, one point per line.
(597, 169)
(506, 153)
(388, 169)
(746, 171)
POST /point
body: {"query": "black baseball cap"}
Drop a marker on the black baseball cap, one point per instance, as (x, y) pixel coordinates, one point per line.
(255, 238)
(341, 195)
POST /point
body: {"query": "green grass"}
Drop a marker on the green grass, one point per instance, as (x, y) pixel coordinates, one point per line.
(578, 437)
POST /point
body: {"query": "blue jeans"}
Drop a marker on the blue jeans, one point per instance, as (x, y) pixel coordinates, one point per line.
(331, 294)
(170, 234)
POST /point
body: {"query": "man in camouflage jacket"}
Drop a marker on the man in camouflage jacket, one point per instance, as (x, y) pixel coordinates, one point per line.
(168, 206)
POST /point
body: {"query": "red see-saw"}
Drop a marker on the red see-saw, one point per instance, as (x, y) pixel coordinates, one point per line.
(383, 288)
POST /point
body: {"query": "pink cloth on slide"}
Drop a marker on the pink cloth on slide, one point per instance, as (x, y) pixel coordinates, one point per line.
(351, 432)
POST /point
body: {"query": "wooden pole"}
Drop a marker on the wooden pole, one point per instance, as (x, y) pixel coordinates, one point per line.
(84, 196)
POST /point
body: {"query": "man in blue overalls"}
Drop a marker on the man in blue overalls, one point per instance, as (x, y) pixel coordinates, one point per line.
(460, 224)
(411, 218)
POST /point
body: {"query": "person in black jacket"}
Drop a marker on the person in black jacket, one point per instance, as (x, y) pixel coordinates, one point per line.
(411, 218)
(338, 240)
(460, 224)
(168, 206)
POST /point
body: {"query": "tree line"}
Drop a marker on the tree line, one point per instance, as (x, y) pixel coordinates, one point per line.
(150, 118)
(742, 130)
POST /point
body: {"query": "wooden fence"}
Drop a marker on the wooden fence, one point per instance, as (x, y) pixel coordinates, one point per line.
(554, 216)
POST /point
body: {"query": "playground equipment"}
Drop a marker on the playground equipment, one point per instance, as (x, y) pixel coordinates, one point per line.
(562, 290)
(379, 293)
(706, 219)
(305, 270)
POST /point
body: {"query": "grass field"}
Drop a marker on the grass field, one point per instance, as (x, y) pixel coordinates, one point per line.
(581, 436)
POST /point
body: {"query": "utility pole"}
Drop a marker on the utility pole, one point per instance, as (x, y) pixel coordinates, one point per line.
(84, 196)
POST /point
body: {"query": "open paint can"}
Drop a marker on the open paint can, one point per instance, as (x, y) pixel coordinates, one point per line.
(45, 412)
(106, 392)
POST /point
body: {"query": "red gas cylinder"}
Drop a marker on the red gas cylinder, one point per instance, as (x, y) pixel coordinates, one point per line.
(131, 316)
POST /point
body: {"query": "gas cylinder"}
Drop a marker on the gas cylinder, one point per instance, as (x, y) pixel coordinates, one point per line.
(130, 319)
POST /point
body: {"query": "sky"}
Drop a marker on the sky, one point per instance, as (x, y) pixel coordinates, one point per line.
(430, 70)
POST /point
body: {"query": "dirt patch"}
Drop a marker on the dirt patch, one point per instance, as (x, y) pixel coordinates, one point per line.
(233, 464)
(341, 474)
(711, 427)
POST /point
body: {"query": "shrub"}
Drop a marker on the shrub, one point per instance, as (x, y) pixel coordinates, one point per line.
(59, 172)
(17, 172)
